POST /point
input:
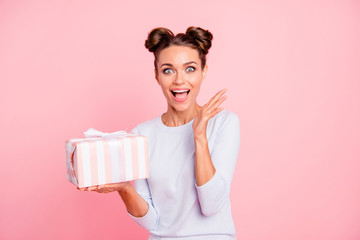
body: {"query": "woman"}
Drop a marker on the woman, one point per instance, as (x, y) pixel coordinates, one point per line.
(192, 149)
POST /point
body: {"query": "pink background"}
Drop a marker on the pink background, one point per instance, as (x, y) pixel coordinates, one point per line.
(293, 73)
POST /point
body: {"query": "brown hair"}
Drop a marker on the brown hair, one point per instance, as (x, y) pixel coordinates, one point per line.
(194, 37)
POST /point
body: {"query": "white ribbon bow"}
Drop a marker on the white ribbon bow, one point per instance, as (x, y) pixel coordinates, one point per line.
(91, 132)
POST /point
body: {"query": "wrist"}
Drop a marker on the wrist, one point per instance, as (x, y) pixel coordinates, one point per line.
(126, 189)
(200, 138)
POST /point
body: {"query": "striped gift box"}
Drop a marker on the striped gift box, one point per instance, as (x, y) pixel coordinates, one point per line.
(108, 158)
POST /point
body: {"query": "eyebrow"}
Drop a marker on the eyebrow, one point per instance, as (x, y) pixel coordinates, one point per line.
(169, 64)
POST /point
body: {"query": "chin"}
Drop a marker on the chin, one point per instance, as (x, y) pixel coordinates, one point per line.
(180, 108)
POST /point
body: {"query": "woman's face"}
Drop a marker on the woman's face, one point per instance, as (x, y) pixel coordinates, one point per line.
(180, 76)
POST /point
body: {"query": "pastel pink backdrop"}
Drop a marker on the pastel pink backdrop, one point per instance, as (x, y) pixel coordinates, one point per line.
(293, 73)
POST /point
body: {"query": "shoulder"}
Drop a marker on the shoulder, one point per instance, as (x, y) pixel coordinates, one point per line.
(225, 126)
(225, 117)
(144, 126)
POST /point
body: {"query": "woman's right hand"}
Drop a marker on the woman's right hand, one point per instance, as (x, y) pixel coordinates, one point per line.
(111, 187)
(134, 203)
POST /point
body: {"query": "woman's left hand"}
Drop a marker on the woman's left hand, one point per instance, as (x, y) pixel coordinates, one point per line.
(207, 111)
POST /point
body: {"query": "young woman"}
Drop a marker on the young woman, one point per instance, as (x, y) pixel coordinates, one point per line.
(192, 149)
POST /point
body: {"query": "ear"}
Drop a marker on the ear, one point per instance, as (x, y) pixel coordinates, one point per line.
(156, 76)
(204, 72)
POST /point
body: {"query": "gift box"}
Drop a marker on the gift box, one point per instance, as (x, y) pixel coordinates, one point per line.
(103, 158)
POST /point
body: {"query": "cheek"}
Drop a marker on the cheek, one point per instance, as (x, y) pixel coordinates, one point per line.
(164, 85)
(195, 80)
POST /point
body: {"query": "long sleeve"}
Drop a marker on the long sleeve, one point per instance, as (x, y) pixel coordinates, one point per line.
(178, 209)
(150, 219)
(213, 194)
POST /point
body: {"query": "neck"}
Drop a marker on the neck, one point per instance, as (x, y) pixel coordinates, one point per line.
(174, 118)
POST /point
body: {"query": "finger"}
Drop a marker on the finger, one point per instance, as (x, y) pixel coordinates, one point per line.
(114, 186)
(105, 189)
(102, 190)
(216, 97)
(214, 109)
(211, 111)
(219, 102)
(92, 188)
(107, 185)
(219, 110)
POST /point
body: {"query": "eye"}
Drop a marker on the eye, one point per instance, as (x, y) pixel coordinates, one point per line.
(167, 70)
(190, 69)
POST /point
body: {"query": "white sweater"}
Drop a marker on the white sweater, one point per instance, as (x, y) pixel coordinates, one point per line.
(178, 208)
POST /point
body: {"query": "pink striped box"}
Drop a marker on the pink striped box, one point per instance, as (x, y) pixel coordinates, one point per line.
(108, 159)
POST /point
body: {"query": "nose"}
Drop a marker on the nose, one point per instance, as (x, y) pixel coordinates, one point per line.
(179, 79)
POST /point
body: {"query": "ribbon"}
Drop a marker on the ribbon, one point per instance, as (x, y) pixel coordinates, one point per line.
(91, 132)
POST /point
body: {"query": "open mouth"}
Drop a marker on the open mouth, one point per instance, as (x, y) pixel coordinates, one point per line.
(180, 94)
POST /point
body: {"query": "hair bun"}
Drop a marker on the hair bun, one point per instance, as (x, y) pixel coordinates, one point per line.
(195, 37)
(203, 37)
(156, 37)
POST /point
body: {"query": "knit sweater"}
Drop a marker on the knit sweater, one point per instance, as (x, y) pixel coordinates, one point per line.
(178, 208)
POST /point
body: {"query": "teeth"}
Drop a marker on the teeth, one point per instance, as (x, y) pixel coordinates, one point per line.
(180, 91)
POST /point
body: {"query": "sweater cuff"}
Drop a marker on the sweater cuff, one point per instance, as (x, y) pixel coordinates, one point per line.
(147, 221)
(208, 184)
(212, 195)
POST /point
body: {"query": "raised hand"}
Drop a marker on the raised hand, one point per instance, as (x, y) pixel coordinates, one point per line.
(207, 111)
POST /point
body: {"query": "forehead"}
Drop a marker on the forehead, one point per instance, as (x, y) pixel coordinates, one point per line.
(177, 55)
